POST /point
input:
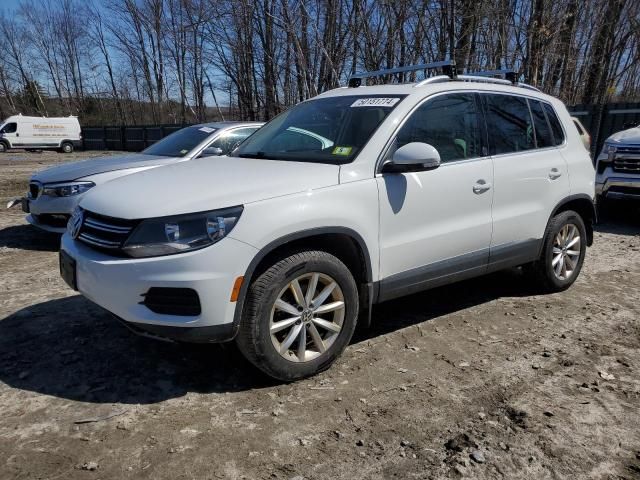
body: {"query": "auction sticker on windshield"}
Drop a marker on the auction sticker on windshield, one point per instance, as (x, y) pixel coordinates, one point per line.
(375, 102)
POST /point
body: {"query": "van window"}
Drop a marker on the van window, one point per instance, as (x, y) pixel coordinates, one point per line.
(544, 138)
(9, 128)
(449, 123)
(510, 125)
(556, 128)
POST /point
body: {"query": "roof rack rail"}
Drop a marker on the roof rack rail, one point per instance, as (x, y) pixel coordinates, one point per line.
(507, 73)
(448, 68)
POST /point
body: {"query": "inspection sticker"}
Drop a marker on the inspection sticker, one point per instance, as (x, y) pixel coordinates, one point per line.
(207, 129)
(342, 151)
(375, 102)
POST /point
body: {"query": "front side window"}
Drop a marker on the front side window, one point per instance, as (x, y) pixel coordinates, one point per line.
(449, 123)
(324, 130)
(230, 140)
(180, 143)
(556, 128)
(544, 138)
(510, 125)
(9, 128)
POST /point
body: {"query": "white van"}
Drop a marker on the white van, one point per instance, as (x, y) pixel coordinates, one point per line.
(60, 133)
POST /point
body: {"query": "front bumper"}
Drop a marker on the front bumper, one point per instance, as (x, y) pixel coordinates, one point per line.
(119, 285)
(619, 188)
(51, 213)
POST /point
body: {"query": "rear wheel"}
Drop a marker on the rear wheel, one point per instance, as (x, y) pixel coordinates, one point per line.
(299, 315)
(563, 252)
(67, 147)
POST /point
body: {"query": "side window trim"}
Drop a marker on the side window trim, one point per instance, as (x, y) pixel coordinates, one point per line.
(533, 124)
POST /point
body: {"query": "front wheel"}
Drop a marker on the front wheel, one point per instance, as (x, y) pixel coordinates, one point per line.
(67, 147)
(299, 315)
(563, 252)
(3, 147)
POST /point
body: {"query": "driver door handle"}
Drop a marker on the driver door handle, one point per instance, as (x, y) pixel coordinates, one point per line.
(554, 174)
(481, 186)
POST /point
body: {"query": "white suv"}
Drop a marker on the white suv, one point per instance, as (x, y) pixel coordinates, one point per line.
(357, 196)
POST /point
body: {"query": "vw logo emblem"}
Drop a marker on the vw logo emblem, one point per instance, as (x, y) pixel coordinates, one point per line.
(75, 223)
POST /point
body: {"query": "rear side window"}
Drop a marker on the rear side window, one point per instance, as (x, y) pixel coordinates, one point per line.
(556, 128)
(449, 123)
(578, 127)
(510, 124)
(544, 138)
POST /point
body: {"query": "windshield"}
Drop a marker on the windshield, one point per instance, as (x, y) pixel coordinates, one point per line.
(326, 130)
(180, 143)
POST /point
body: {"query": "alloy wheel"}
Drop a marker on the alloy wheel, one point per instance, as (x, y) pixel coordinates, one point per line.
(566, 251)
(307, 317)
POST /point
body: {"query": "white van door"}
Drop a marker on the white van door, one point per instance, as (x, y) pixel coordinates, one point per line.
(435, 226)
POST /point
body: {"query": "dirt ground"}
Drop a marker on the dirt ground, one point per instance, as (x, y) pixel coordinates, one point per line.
(484, 379)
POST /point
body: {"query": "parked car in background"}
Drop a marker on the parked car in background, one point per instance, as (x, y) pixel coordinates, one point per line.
(584, 135)
(55, 192)
(618, 167)
(38, 133)
(357, 196)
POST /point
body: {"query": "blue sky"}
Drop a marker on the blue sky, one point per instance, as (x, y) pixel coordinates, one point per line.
(10, 4)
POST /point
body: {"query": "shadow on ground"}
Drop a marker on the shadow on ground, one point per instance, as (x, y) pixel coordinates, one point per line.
(71, 348)
(27, 237)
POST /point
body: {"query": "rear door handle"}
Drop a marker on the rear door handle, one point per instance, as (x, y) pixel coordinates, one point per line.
(554, 174)
(481, 186)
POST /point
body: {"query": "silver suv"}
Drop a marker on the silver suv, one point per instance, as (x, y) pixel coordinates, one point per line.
(618, 166)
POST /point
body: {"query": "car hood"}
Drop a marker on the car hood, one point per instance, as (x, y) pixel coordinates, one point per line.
(205, 184)
(76, 170)
(626, 136)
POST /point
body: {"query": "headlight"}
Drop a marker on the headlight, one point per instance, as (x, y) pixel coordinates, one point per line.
(181, 233)
(610, 150)
(66, 189)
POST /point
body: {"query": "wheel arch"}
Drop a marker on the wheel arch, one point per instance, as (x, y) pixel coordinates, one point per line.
(345, 243)
(584, 206)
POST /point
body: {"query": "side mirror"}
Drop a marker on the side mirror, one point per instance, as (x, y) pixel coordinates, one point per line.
(211, 152)
(413, 157)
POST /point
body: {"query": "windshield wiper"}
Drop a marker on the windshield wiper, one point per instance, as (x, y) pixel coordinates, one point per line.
(259, 155)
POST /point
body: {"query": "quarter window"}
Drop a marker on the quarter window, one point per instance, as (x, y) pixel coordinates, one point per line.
(544, 138)
(449, 123)
(556, 128)
(510, 124)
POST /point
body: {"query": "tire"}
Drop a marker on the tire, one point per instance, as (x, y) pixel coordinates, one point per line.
(3, 147)
(545, 270)
(298, 321)
(66, 147)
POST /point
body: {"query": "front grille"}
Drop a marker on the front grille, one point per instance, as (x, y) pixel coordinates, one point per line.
(627, 159)
(625, 190)
(626, 165)
(172, 301)
(105, 233)
(34, 189)
(628, 149)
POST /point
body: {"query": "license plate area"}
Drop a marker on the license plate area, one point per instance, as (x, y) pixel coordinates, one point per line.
(68, 270)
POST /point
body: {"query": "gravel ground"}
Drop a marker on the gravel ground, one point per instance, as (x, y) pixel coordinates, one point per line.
(483, 379)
